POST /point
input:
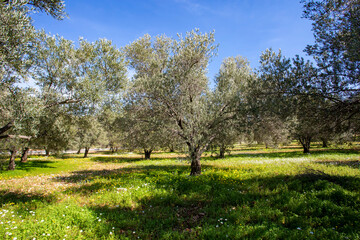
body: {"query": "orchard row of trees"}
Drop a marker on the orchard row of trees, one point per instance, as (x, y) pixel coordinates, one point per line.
(80, 95)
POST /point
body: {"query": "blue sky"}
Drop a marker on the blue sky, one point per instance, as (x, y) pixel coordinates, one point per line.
(242, 27)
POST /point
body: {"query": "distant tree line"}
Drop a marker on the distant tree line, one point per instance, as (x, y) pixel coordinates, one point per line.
(80, 96)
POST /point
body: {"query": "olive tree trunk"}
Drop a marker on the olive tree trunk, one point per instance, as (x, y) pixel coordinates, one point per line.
(195, 155)
(12, 159)
(305, 142)
(47, 152)
(147, 153)
(222, 152)
(195, 164)
(24, 156)
(324, 143)
(86, 152)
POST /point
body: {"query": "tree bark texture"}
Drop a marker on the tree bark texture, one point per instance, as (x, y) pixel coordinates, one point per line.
(195, 156)
(15, 136)
(24, 156)
(147, 153)
(305, 142)
(79, 151)
(222, 152)
(6, 127)
(86, 152)
(12, 159)
(324, 143)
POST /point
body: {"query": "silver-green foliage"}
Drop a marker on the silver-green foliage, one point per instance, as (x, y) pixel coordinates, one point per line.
(232, 84)
(171, 78)
(89, 132)
(83, 75)
(17, 36)
(76, 80)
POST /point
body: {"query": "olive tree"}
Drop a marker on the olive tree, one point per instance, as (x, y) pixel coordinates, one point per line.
(289, 93)
(16, 48)
(77, 80)
(55, 131)
(89, 133)
(171, 74)
(82, 76)
(74, 80)
(232, 88)
(109, 119)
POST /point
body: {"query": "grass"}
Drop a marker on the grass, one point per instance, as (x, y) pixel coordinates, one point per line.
(253, 194)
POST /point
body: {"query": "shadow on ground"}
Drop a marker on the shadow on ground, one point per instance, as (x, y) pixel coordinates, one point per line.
(27, 166)
(23, 198)
(352, 163)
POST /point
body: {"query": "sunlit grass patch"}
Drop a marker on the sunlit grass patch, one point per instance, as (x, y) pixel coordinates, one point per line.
(44, 165)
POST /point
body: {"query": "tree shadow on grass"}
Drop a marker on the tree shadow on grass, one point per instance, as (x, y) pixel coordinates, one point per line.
(265, 207)
(86, 175)
(352, 163)
(310, 176)
(7, 197)
(69, 156)
(27, 166)
(126, 173)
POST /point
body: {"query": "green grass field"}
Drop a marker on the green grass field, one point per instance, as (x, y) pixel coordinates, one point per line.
(252, 194)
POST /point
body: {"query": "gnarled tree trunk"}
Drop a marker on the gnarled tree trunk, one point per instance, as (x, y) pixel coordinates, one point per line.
(324, 142)
(222, 152)
(147, 153)
(47, 152)
(79, 151)
(195, 165)
(195, 155)
(24, 156)
(305, 142)
(12, 159)
(86, 152)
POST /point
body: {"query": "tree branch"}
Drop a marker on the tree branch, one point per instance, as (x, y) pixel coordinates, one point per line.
(7, 127)
(15, 136)
(63, 102)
